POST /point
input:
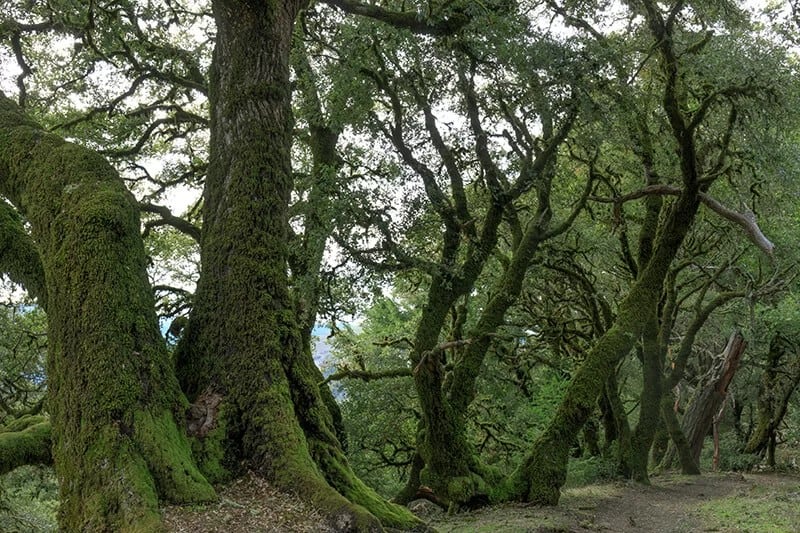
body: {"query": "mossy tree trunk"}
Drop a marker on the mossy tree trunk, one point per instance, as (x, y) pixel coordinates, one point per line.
(652, 354)
(543, 472)
(306, 255)
(452, 468)
(112, 392)
(244, 341)
(781, 378)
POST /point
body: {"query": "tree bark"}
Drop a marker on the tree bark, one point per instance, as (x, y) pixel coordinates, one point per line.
(700, 414)
(543, 472)
(244, 340)
(113, 394)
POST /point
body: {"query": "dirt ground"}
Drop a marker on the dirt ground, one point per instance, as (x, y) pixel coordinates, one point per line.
(672, 504)
(724, 503)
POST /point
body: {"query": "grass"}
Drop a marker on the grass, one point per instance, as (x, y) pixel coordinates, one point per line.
(766, 507)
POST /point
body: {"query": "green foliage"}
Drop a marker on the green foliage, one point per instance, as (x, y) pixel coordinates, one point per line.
(731, 457)
(380, 417)
(23, 350)
(29, 500)
(591, 469)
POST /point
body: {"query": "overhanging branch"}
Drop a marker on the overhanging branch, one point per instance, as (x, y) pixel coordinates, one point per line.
(365, 375)
(747, 220)
(407, 20)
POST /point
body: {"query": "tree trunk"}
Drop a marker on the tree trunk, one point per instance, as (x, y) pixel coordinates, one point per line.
(113, 394)
(688, 465)
(543, 472)
(244, 340)
(650, 401)
(700, 414)
(780, 379)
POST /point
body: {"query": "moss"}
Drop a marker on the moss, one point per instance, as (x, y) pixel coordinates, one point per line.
(23, 422)
(117, 492)
(210, 454)
(19, 256)
(167, 453)
(111, 385)
(25, 441)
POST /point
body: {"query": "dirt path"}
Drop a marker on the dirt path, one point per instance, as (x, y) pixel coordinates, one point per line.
(672, 504)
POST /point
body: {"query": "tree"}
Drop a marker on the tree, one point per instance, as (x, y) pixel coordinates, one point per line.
(542, 473)
(113, 393)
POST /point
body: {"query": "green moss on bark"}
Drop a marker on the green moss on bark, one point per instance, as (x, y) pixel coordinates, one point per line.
(25, 441)
(112, 389)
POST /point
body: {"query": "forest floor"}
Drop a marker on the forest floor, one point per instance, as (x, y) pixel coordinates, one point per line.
(713, 502)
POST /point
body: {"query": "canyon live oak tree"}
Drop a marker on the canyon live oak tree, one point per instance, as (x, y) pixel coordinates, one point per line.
(129, 426)
(114, 396)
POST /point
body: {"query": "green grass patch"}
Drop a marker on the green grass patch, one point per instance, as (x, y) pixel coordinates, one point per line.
(759, 509)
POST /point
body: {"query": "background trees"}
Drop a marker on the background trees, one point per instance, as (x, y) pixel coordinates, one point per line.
(515, 188)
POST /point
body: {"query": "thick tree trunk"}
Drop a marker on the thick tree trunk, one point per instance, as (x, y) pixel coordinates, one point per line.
(700, 414)
(113, 393)
(244, 340)
(450, 462)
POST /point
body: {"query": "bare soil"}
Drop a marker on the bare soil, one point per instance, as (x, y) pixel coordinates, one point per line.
(673, 503)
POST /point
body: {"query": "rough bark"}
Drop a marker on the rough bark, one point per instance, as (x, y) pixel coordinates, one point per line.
(652, 355)
(244, 341)
(306, 263)
(708, 399)
(688, 464)
(113, 393)
(650, 401)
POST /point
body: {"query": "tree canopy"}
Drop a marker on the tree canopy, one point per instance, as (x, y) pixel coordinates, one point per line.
(523, 222)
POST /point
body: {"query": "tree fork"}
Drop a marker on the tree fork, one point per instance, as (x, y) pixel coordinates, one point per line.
(244, 340)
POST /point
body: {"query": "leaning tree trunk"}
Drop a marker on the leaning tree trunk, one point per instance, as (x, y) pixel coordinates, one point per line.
(680, 445)
(112, 391)
(700, 414)
(543, 472)
(243, 347)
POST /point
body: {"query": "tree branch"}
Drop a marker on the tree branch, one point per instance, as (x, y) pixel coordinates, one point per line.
(364, 375)
(747, 220)
(19, 256)
(407, 20)
(167, 218)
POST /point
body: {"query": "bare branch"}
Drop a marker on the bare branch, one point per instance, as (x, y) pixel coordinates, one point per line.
(746, 220)
(168, 219)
